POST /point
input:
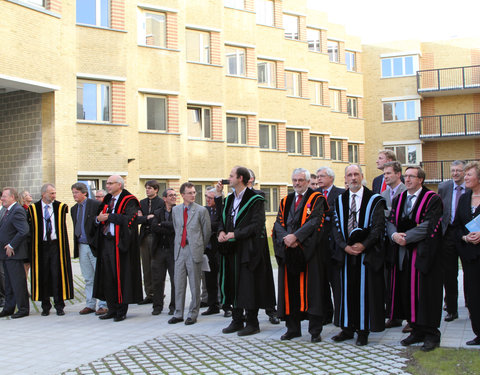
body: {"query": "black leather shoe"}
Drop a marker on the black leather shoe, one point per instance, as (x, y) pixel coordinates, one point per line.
(289, 335)
(362, 340)
(475, 341)
(60, 312)
(407, 329)
(146, 301)
(316, 338)
(175, 320)
(227, 314)
(211, 310)
(428, 346)
(156, 311)
(248, 330)
(342, 336)
(119, 318)
(451, 317)
(45, 312)
(203, 304)
(5, 313)
(273, 319)
(171, 311)
(190, 321)
(391, 323)
(107, 316)
(19, 315)
(412, 339)
(233, 327)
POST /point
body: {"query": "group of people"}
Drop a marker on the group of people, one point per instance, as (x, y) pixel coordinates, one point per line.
(379, 253)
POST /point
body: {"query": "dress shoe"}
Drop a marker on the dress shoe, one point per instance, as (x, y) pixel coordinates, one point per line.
(211, 310)
(451, 317)
(106, 316)
(86, 310)
(19, 314)
(316, 338)
(5, 313)
(171, 311)
(407, 329)
(273, 319)
(60, 312)
(342, 336)
(227, 314)
(233, 327)
(290, 335)
(101, 311)
(428, 346)
(391, 323)
(175, 320)
(475, 341)
(248, 330)
(203, 304)
(362, 340)
(412, 339)
(119, 318)
(190, 321)
(45, 312)
(146, 301)
(156, 310)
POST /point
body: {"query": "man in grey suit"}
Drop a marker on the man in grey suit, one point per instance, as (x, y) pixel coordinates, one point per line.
(13, 250)
(192, 233)
(450, 192)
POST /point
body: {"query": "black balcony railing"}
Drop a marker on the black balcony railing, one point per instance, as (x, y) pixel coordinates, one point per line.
(437, 171)
(465, 124)
(460, 78)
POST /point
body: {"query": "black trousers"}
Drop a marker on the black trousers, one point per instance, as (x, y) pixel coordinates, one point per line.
(211, 278)
(108, 276)
(251, 316)
(51, 275)
(471, 286)
(162, 261)
(16, 292)
(450, 270)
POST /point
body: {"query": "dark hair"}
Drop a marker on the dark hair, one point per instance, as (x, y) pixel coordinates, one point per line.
(420, 172)
(396, 166)
(186, 185)
(81, 187)
(244, 173)
(165, 192)
(153, 184)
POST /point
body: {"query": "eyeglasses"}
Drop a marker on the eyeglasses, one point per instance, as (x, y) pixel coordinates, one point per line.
(171, 195)
(410, 176)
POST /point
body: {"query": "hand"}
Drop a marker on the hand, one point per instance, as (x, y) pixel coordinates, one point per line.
(221, 237)
(400, 238)
(473, 237)
(290, 240)
(9, 251)
(139, 213)
(358, 247)
(102, 217)
(150, 216)
(350, 250)
(218, 189)
(230, 236)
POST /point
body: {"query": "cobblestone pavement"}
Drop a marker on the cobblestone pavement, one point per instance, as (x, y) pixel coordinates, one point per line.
(189, 354)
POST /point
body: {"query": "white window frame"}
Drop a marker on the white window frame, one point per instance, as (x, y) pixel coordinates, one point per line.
(314, 43)
(240, 133)
(265, 12)
(38, 3)
(98, 13)
(353, 153)
(316, 92)
(201, 188)
(99, 106)
(205, 120)
(202, 46)
(142, 28)
(414, 148)
(297, 140)
(351, 61)
(336, 149)
(319, 142)
(405, 104)
(389, 71)
(267, 77)
(333, 48)
(239, 58)
(237, 4)
(352, 106)
(293, 84)
(165, 111)
(335, 100)
(272, 135)
(290, 21)
(272, 198)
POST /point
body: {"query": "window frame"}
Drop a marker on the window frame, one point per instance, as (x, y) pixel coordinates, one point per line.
(165, 112)
(353, 153)
(333, 55)
(297, 139)
(272, 198)
(99, 16)
(295, 90)
(143, 35)
(319, 142)
(406, 153)
(264, 15)
(241, 131)
(391, 68)
(352, 106)
(201, 188)
(351, 61)
(335, 100)
(293, 35)
(336, 153)
(271, 73)
(406, 110)
(314, 45)
(206, 131)
(98, 98)
(239, 56)
(234, 4)
(316, 88)
(203, 50)
(272, 133)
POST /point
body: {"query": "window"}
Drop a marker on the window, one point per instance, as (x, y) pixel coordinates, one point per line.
(335, 100)
(40, 3)
(268, 136)
(267, 74)
(237, 4)
(153, 30)
(237, 130)
(264, 9)
(351, 61)
(352, 107)
(201, 188)
(93, 101)
(294, 141)
(93, 183)
(408, 154)
(235, 61)
(399, 66)
(198, 46)
(156, 113)
(353, 154)
(161, 183)
(292, 83)
(336, 149)
(316, 146)
(199, 122)
(316, 92)
(290, 24)
(314, 41)
(400, 111)
(332, 48)
(271, 198)
(93, 12)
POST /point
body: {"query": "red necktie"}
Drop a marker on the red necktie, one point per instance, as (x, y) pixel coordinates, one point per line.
(297, 202)
(384, 186)
(325, 193)
(184, 233)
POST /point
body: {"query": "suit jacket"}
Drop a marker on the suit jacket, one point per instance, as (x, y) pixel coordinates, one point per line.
(377, 184)
(445, 190)
(89, 216)
(329, 222)
(198, 230)
(388, 199)
(467, 251)
(146, 223)
(14, 231)
(163, 230)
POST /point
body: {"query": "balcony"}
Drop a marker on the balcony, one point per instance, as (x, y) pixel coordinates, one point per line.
(437, 171)
(449, 81)
(447, 126)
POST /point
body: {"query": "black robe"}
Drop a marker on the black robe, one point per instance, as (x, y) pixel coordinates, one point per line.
(301, 272)
(128, 278)
(246, 278)
(417, 289)
(362, 285)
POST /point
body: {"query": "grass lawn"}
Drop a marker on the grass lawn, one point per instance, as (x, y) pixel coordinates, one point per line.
(444, 361)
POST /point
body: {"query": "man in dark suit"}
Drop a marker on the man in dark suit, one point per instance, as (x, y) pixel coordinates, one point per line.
(13, 234)
(84, 240)
(379, 185)
(325, 180)
(145, 216)
(450, 192)
(2, 277)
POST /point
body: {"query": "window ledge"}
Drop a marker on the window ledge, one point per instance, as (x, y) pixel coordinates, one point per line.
(318, 52)
(159, 132)
(160, 48)
(397, 121)
(205, 139)
(297, 97)
(354, 71)
(206, 64)
(320, 105)
(405, 76)
(244, 77)
(241, 145)
(305, 156)
(318, 158)
(296, 40)
(270, 150)
(339, 161)
(271, 26)
(241, 10)
(271, 88)
(100, 27)
(36, 8)
(84, 122)
(355, 118)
